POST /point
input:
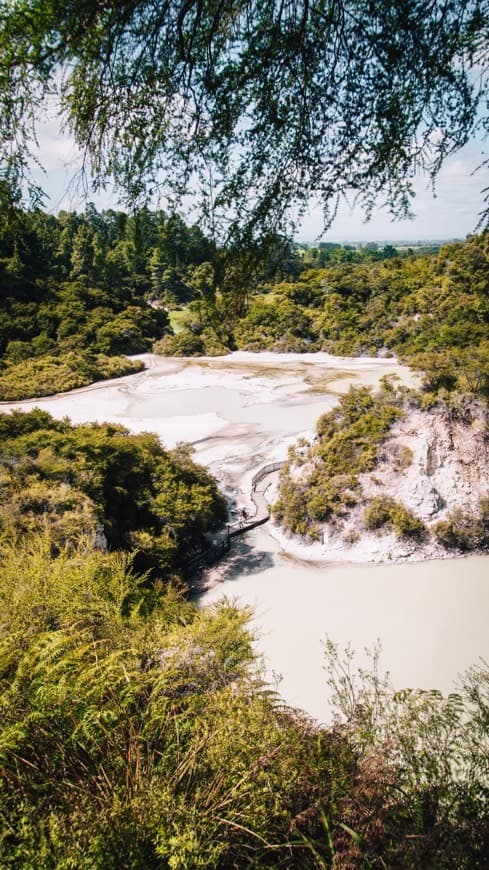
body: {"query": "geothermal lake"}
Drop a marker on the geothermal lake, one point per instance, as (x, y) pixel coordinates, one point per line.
(242, 411)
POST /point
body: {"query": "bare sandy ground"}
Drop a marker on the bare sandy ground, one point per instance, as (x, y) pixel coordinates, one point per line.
(238, 411)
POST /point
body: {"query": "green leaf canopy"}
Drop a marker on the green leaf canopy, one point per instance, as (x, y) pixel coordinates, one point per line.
(256, 105)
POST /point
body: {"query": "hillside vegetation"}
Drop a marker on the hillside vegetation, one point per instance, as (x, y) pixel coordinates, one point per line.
(360, 475)
(395, 474)
(346, 445)
(99, 482)
(76, 292)
(430, 310)
(136, 732)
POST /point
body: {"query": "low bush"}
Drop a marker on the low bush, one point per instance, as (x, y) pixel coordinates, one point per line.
(406, 524)
(384, 511)
(378, 513)
(185, 343)
(465, 531)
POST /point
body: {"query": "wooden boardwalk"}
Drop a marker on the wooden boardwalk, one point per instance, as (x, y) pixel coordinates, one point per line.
(219, 543)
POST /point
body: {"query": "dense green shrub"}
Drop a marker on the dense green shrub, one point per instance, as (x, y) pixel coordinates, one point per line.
(378, 513)
(185, 343)
(346, 445)
(275, 323)
(46, 375)
(65, 510)
(384, 511)
(99, 478)
(136, 731)
(465, 531)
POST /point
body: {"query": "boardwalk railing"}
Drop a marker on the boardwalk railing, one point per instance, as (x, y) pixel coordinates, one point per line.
(221, 541)
(207, 557)
(264, 471)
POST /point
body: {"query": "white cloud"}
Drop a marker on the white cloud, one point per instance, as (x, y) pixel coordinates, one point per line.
(56, 147)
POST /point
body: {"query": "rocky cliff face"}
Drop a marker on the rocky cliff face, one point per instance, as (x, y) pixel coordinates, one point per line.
(434, 464)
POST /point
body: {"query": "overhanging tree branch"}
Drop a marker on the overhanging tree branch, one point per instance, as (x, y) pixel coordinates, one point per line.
(279, 101)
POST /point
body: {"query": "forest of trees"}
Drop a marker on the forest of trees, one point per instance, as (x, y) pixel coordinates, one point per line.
(430, 310)
(76, 290)
(79, 291)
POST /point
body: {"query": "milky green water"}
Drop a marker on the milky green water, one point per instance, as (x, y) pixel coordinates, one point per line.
(430, 617)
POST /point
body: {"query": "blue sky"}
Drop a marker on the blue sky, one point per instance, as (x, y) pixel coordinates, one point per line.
(453, 213)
